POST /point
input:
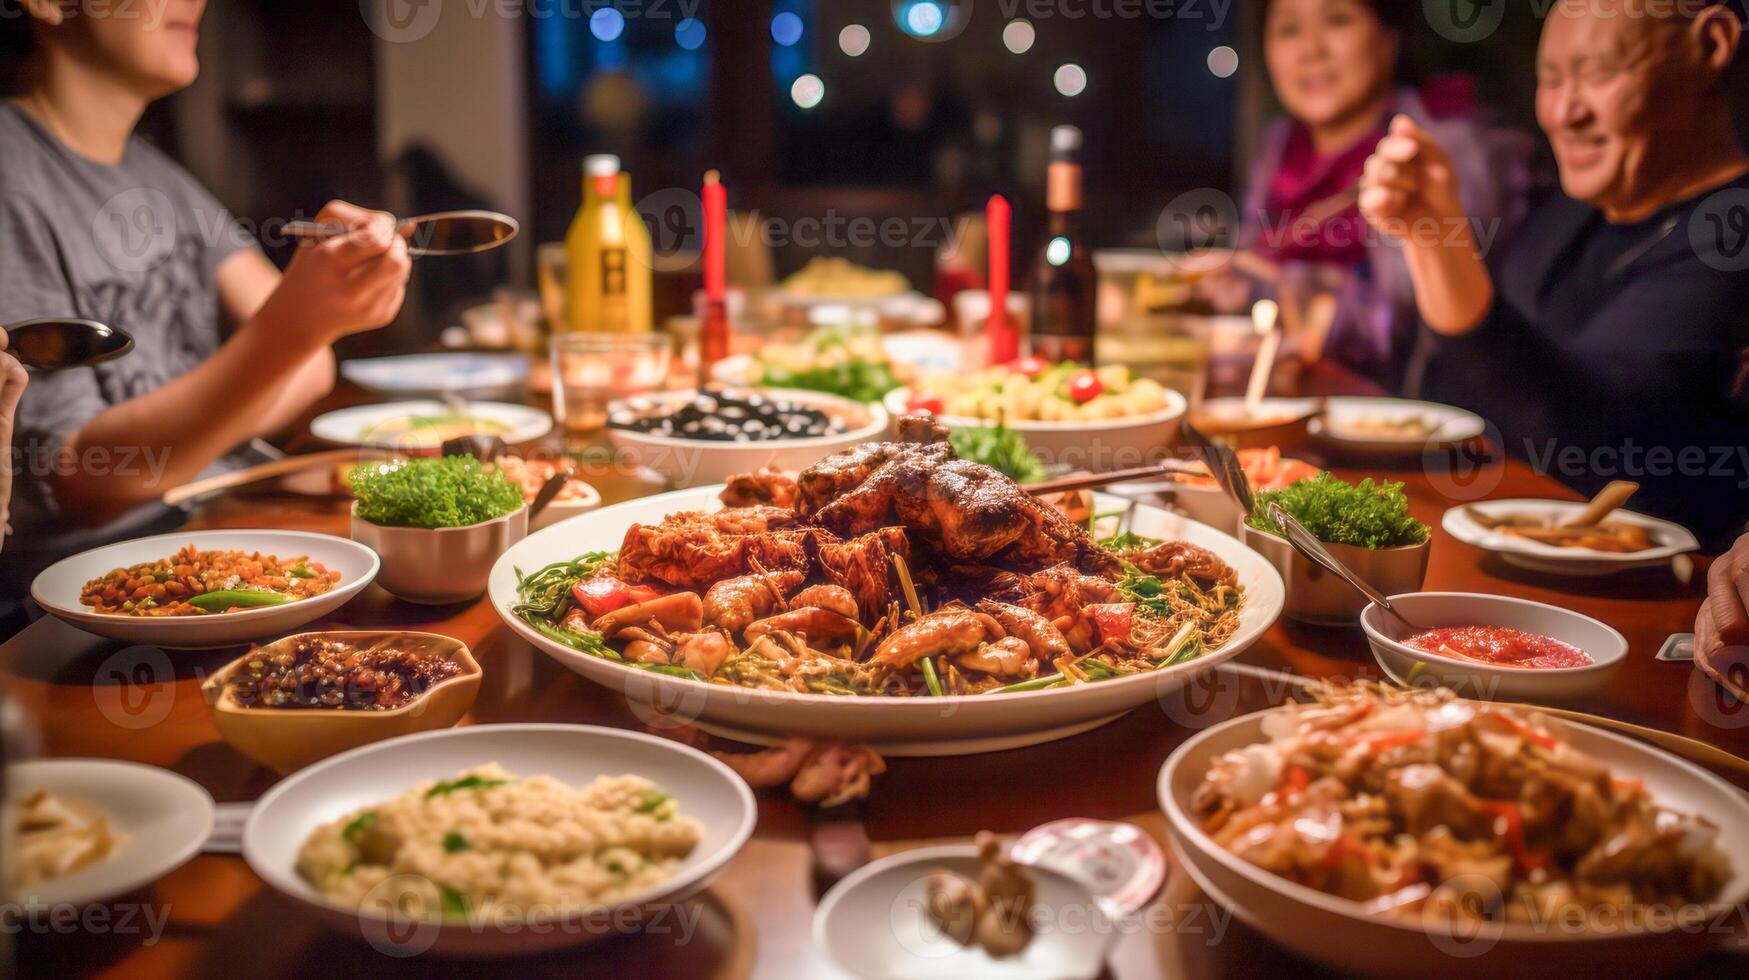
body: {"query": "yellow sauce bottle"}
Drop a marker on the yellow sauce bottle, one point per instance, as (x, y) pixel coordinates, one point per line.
(607, 283)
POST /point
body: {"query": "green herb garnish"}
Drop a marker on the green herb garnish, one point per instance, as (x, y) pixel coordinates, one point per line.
(443, 491)
(454, 842)
(651, 799)
(1366, 515)
(358, 825)
(466, 782)
(999, 447)
(455, 905)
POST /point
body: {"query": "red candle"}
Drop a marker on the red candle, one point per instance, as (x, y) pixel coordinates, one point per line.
(1004, 339)
(716, 206)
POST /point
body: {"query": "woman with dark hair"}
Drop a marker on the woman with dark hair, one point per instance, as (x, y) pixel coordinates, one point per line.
(96, 223)
(1333, 65)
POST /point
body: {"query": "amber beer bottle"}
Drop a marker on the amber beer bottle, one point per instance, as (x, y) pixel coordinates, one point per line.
(1063, 283)
(608, 255)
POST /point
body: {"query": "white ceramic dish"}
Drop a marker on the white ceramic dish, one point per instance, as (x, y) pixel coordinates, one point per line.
(57, 588)
(1669, 540)
(702, 462)
(1336, 933)
(873, 924)
(412, 374)
(437, 566)
(955, 725)
(707, 791)
(1106, 444)
(164, 816)
(357, 426)
(564, 510)
(1450, 425)
(1606, 647)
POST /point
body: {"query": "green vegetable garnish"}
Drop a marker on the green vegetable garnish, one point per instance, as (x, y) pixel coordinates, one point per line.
(455, 904)
(930, 679)
(358, 825)
(302, 571)
(1367, 515)
(443, 491)
(1000, 447)
(453, 842)
(651, 799)
(853, 378)
(466, 782)
(225, 599)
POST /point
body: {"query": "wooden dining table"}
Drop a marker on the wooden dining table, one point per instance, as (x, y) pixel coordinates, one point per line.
(96, 698)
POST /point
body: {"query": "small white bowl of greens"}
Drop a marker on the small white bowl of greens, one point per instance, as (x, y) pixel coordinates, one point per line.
(437, 523)
(1366, 526)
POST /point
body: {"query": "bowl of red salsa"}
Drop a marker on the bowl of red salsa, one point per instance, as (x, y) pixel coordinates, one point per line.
(1494, 647)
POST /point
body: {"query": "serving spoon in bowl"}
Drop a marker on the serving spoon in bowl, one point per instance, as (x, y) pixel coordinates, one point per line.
(59, 343)
(1224, 464)
(441, 233)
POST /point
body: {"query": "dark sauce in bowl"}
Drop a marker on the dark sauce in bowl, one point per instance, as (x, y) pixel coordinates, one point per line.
(337, 675)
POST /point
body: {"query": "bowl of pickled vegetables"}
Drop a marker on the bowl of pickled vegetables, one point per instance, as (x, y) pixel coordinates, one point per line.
(1072, 416)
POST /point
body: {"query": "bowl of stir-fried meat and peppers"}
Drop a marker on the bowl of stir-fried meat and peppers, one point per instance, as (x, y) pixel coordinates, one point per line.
(1381, 832)
(891, 592)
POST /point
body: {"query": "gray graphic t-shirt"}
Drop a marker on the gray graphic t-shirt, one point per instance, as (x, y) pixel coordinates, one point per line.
(134, 245)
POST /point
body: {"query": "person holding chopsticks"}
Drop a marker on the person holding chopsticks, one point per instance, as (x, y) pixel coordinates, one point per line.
(1334, 66)
(96, 223)
(1610, 339)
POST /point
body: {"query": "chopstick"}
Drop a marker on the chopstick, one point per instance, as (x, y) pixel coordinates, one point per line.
(1091, 481)
(266, 471)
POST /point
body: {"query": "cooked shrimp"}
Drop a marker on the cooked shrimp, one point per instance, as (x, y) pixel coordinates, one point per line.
(769, 767)
(819, 625)
(832, 598)
(949, 632)
(734, 603)
(1007, 657)
(681, 612)
(1044, 640)
(836, 774)
(703, 653)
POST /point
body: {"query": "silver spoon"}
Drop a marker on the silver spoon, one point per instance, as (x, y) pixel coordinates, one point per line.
(1224, 464)
(58, 343)
(443, 233)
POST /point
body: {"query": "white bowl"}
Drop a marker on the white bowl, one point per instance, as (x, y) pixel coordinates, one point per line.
(1105, 444)
(165, 817)
(472, 373)
(57, 588)
(701, 462)
(357, 426)
(954, 725)
(1451, 425)
(437, 566)
(1669, 540)
(873, 924)
(1337, 933)
(575, 754)
(1472, 679)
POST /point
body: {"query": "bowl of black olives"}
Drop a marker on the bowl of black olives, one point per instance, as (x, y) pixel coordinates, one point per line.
(697, 438)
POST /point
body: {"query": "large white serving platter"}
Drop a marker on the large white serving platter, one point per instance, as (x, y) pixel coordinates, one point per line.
(956, 725)
(1338, 933)
(58, 587)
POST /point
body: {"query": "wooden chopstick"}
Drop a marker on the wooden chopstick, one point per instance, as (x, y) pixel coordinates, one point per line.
(267, 471)
(1091, 481)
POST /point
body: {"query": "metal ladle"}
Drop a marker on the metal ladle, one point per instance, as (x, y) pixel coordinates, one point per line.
(1224, 464)
(58, 343)
(443, 233)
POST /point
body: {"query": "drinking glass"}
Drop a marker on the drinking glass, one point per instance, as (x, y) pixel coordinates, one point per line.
(592, 369)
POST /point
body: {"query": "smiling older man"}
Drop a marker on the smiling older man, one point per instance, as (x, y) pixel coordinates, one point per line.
(1609, 339)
